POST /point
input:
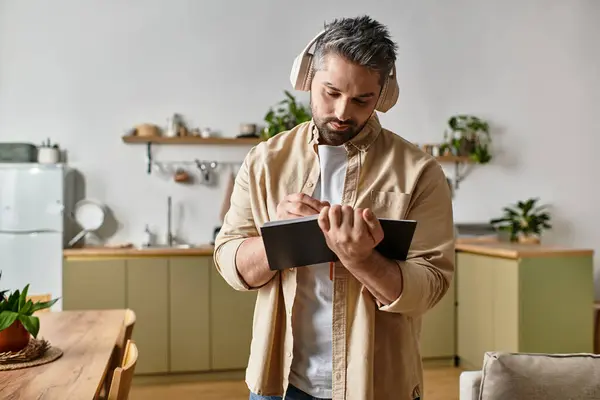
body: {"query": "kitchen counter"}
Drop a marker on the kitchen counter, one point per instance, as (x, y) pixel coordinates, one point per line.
(516, 251)
(483, 246)
(102, 252)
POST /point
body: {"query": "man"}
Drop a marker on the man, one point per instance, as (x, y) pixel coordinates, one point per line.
(350, 331)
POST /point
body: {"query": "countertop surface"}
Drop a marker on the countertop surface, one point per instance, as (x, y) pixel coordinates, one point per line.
(129, 251)
(484, 246)
(516, 250)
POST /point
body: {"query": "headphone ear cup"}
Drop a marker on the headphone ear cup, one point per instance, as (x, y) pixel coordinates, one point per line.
(389, 94)
(309, 73)
(301, 70)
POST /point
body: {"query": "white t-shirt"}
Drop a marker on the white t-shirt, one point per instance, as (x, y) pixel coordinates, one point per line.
(312, 313)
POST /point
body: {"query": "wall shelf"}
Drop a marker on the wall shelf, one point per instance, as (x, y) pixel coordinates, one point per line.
(190, 140)
(184, 140)
(461, 163)
(461, 166)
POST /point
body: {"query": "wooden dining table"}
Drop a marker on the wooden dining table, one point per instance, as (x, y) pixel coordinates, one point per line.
(87, 340)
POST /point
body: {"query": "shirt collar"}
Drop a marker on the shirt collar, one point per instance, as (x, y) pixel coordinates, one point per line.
(362, 141)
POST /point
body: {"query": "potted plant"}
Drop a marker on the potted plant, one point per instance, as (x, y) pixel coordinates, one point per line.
(287, 115)
(17, 322)
(524, 221)
(467, 136)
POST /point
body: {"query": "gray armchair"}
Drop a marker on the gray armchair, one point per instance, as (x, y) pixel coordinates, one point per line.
(516, 376)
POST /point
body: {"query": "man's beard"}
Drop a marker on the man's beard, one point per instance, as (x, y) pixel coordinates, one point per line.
(334, 137)
(330, 136)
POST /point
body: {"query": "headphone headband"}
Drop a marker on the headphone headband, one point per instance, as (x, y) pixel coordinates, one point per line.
(302, 72)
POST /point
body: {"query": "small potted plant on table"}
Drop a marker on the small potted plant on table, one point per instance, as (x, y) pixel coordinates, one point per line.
(17, 322)
(524, 221)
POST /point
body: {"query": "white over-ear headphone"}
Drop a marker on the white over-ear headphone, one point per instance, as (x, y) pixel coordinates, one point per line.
(302, 72)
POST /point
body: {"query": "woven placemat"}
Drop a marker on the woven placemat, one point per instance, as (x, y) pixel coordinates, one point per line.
(37, 352)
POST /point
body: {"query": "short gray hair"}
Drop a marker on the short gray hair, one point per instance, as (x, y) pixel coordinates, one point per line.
(360, 40)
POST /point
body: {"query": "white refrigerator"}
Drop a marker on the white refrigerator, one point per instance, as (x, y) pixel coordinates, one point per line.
(32, 227)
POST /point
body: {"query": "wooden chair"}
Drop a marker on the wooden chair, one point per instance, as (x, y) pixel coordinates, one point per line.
(120, 349)
(126, 334)
(123, 374)
(40, 298)
(597, 327)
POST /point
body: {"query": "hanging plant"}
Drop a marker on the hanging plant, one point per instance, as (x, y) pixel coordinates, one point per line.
(467, 136)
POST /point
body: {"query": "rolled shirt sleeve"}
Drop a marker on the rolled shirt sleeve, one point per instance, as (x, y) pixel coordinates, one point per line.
(238, 225)
(429, 268)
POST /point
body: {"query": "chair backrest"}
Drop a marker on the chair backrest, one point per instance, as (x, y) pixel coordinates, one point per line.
(40, 298)
(120, 348)
(126, 334)
(123, 375)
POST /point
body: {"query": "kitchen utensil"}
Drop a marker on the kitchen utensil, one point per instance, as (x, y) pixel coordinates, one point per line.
(90, 216)
(227, 198)
(181, 176)
(206, 170)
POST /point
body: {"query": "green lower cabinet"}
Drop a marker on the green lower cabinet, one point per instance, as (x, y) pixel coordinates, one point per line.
(148, 297)
(187, 318)
(190, 288)
(94, 284)
(438, 338)
(529, 305)
(231, 315)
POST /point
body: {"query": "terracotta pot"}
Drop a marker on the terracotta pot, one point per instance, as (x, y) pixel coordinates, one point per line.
(14, 338)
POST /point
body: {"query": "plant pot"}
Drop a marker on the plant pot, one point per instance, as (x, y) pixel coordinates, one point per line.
(466, 146)
(529, 239)
(14, 338)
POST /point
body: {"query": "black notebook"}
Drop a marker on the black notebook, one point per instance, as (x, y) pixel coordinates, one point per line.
(300, 242)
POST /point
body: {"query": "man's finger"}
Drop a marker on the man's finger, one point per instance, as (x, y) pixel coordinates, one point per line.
(335, 216)
(324, 219)
(373, 225)
(308, 200)
(360, 226)
(347, 217)
(300, 209)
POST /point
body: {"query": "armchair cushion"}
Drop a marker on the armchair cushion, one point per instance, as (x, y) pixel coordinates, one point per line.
(513, 376)
(470, 381)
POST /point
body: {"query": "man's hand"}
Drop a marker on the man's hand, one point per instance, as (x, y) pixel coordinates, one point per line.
(299, 205)
(351, 234)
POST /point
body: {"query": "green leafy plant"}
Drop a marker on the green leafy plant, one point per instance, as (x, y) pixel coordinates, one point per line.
(17, 307)
(523, 220)
(285, 116)
(469, 136)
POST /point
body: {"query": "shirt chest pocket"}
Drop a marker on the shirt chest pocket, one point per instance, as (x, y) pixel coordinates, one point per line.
(391, 205)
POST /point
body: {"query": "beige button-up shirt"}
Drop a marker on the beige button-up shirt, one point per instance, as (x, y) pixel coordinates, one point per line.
(375, 347)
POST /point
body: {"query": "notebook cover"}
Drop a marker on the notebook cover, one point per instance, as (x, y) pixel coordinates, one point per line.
(299, 242)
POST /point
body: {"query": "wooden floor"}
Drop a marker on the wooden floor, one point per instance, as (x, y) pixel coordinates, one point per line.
(441, 383)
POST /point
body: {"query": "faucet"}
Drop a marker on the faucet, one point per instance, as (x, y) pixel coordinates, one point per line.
(169, 231)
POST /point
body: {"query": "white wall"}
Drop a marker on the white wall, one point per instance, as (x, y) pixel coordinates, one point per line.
(82, 72)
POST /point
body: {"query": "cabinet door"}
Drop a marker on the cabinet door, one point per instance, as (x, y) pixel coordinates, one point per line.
(147, 296)
(438, 334)
(93, 284)
(505, 300)
(189, 293)
(475, 308)
(231, 315)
